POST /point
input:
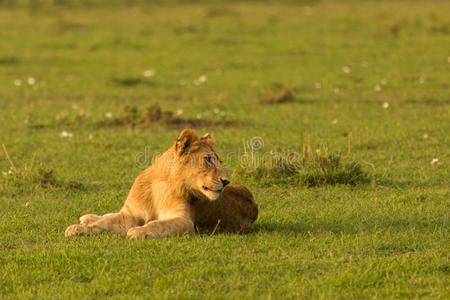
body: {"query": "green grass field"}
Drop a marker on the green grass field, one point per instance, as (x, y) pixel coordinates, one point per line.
(366, 80)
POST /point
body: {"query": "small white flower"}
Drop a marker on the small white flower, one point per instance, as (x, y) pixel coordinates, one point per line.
(334, 122)
(202, 79)
(179, 112)
(346, 70)
(317, 85)
(91, 136)
(199, 116)
(365, 64)
(385, 105)
(377, 88)
(6, 173)
(383, 81)
(109, 115)
(27, 204)
(65, 134)
(435, 161)
(149, 73)
(17, 82)
(336, 90)
(425, 135)
(31, 80)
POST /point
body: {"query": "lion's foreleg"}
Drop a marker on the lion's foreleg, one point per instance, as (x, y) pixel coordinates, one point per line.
(117, 223)
(89, 219)
(162, 228)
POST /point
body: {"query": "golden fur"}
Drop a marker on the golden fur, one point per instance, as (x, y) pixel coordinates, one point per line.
(171, 197)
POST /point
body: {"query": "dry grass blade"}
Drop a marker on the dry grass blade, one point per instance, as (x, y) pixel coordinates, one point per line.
(8, 158)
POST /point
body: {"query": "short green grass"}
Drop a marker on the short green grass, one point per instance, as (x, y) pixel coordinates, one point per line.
(370, 76)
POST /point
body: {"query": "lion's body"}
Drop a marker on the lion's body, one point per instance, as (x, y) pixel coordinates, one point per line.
(234, 212)
(174, 194)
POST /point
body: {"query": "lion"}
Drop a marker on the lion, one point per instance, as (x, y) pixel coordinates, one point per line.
(184, 189)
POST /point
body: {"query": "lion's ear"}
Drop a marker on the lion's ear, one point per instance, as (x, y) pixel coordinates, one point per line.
(207, 138)
(185, 140)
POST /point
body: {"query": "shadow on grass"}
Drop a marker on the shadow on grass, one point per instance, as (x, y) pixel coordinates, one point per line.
(427, 101)
(278, 93)
(302, 228)
(9, 60)
(177, 123)
(135, 118)
(343, 227)
(380, 181)
(131, 81)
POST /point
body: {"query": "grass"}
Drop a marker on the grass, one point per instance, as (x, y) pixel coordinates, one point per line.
(372, 73)
(133, 118)
(307, 167)
(276, 94)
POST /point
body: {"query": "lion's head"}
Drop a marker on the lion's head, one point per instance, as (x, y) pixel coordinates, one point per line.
(199, 166)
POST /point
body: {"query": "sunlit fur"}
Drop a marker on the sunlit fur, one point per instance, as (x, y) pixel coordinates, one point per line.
(160, 202)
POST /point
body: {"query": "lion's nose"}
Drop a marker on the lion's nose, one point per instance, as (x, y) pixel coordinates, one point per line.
(224, 181)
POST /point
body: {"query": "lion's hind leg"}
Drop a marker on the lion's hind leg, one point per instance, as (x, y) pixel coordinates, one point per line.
(117, 223)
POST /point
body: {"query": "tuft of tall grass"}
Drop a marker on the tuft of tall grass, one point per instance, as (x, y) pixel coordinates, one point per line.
(33, 176)
(306, 167)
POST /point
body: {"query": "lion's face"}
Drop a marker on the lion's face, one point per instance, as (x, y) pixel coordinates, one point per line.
(201, 167)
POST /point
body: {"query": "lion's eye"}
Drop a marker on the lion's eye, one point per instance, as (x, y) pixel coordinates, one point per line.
(209, 160)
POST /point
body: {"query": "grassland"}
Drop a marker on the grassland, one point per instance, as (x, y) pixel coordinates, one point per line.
(366, 78)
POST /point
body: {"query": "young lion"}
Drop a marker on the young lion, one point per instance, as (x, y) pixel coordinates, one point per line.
(185, 187)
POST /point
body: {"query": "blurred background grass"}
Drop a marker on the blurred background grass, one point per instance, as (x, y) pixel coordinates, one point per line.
(359, 77)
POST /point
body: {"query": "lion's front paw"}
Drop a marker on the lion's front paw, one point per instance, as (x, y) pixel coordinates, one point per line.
(136, 233)
(75, 230)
